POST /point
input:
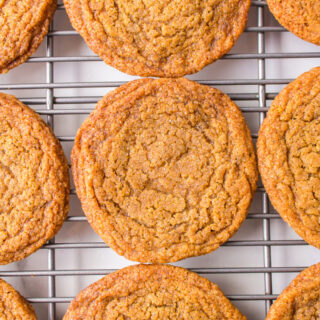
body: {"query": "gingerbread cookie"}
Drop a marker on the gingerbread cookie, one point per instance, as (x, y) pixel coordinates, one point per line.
(12, 305)
(300, 17)
(163, 38)
(165, 169)
(152, 292)
(301, 299)
(289, 155)
(23, 25)
(34, 193)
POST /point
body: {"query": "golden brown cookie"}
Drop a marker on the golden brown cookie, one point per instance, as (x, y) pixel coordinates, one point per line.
(289, 155)
(34, 189)
(300, 17)
(12, 305)
(23, 25)
(152, 292)
(301, 299)
(165, 169)
(163, 38)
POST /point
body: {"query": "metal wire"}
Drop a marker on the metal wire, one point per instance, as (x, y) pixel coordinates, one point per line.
(262, 104)
(50, 121)
(262, 96)
(94, 272)
(114, 84)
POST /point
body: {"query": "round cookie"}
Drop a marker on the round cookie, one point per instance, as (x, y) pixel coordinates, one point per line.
(301, 299)
(289, 155)
(300, 17)
(152, 292)
(34, 193)
(12, 305)
(165, 169)
(23, 25)
(163, 38)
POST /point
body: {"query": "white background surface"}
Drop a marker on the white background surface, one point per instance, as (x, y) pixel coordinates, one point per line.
(66, 125)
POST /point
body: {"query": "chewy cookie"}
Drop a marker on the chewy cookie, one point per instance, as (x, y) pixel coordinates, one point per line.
(165, 169)
(300, 17)
(163, 38)
(301, 299)
(23, 25)
(12, 305)
(289, 155)
(152, 292)
(34, 189)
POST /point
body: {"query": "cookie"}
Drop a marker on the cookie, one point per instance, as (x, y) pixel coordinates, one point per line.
(165, 169)
(162, 38)
(301, 299)
(23, 25)
(301, 17)
(34, 189)
(12, 305)
(289, 155)
(152, 292)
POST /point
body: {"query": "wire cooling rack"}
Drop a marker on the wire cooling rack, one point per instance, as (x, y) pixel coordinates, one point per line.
(64, 80)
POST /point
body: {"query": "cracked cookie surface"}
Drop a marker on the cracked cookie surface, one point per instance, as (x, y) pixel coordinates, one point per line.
(23, 25)
(12, 305)
(155, 292)
(163, 38)
(165, 169)
(301, 17)
(289, 155)
(301, 299)
(34, 192)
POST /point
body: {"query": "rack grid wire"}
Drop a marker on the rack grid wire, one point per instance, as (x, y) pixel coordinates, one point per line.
(50, 112)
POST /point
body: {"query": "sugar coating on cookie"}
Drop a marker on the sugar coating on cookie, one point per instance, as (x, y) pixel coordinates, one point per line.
(23, 25)
(301, 17)
(301, 299)
(12, 305)
(163, 38)
(289, 155)
(156, 292)
(34, 190)
(165, 169)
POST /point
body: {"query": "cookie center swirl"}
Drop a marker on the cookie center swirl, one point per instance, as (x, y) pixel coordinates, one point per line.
(158, 29)
(167, 172)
